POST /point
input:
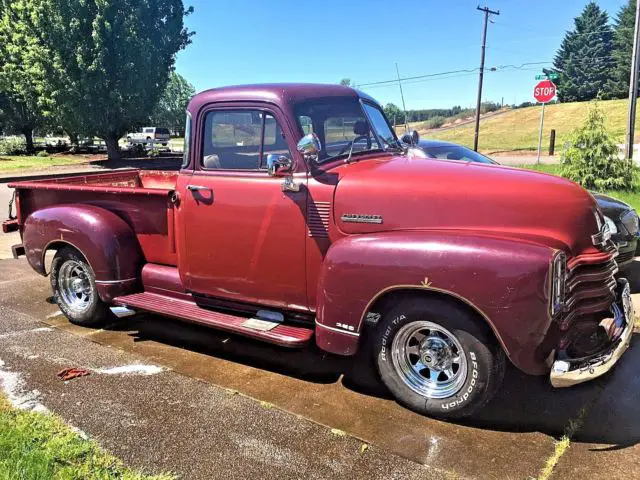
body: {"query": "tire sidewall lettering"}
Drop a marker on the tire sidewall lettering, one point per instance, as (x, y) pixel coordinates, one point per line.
(462, 398)
(387, 334)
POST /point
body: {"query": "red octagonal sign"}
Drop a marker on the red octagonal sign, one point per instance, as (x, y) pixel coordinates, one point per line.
(544, 91)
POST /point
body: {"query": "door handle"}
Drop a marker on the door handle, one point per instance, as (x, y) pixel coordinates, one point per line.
(198, 188)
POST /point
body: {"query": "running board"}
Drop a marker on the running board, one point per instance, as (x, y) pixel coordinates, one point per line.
(283, 335)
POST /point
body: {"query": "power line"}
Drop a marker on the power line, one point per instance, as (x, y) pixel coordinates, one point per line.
(570, 32)
(423, 80)
(439, 74)
(395, 80)
(543, 37)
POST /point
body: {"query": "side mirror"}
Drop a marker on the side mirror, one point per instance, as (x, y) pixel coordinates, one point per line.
(309, 146)
(411, 138)
(279, 165)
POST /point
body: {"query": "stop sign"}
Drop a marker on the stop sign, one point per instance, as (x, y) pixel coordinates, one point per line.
(544, 91)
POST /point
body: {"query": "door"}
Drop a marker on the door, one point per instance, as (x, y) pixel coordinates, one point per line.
(245, 237)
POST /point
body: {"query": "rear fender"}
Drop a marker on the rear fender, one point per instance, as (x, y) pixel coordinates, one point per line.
(106, 241)
(503, 280)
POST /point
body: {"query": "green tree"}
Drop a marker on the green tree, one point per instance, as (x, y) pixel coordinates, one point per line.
(346, 82)
(593, 158)
(22, 75)
(393, 113)
(170, 110)
(109, 61)
(618, 84)
(584, 59)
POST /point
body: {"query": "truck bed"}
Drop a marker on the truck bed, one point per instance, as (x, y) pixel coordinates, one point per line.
(143, 198)
(150, 182)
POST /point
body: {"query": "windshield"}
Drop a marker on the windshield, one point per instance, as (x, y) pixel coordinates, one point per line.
(344, 125)
(456, 152)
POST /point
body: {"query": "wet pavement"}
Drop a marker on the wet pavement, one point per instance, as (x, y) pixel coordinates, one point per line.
(309, 390)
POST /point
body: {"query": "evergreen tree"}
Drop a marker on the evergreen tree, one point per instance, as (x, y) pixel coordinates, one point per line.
(618, 85)
(584, 59)
(592, 160)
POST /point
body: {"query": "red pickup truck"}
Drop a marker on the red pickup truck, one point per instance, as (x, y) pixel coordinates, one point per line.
(298, 216)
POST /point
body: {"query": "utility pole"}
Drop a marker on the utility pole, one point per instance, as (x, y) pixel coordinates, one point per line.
(633, 86)
(487, 12)
(404, 107)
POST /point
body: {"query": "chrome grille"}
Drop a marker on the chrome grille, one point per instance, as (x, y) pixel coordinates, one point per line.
(590, 286)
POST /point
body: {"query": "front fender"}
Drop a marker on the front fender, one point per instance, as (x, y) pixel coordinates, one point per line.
(502, 279)
(106, 241)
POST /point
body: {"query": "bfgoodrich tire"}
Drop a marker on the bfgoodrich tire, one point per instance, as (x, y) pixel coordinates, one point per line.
(437, 358)
(74, 289)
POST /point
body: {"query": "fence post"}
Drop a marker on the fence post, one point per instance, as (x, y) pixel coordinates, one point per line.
(552, 142)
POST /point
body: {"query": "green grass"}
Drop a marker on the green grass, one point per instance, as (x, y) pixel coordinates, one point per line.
(632, 198)
(36, 446)
(22, 162)
(517, 130)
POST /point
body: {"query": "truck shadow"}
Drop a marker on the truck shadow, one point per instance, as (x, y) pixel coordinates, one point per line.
(523, 404)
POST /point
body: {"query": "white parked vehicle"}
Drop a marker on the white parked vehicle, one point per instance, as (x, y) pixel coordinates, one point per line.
(150, 135)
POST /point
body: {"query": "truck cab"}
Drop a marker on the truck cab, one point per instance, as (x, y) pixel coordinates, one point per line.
(297, 216)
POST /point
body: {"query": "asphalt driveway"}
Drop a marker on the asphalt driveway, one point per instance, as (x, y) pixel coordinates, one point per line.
(222, 406)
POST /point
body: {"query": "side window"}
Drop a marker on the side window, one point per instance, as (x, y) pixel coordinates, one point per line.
(232, 140)
(187, 139)
(274, 141)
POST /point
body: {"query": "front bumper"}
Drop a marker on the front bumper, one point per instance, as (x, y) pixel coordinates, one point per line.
(565, 373)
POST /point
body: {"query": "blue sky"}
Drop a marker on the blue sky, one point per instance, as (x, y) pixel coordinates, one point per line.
(254, 41)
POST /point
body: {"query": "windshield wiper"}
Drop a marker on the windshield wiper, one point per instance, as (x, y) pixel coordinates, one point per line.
(395, 148)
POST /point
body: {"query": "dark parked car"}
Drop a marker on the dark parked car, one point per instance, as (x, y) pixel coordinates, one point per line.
(621, 218)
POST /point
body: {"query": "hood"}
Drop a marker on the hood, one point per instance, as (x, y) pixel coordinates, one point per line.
(404, 193)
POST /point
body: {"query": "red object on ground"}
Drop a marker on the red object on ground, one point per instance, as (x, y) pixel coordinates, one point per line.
(71, 373)
(544, 91)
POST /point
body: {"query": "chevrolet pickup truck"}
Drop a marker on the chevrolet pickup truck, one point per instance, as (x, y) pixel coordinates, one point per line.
(298, 216)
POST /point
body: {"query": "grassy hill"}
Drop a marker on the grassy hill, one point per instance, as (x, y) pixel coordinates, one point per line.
(517, 130)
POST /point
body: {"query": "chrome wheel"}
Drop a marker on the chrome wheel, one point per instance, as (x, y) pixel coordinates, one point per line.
(75, 286)
(429, 359)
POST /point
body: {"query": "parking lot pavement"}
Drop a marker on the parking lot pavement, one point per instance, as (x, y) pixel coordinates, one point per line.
(512, 438)
(159, 420)
(608, 444)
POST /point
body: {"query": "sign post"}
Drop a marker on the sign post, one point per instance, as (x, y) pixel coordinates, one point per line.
(543, 93)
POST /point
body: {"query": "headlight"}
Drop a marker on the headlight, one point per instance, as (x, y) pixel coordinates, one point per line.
(611, 224)
(630, 222)
(558, 274)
